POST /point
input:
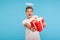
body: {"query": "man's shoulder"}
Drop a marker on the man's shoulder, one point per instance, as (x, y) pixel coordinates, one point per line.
(24, 21)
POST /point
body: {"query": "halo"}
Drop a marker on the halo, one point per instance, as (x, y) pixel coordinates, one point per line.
(29, 4)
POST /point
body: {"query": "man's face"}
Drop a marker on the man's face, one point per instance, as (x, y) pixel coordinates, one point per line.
(29, 12)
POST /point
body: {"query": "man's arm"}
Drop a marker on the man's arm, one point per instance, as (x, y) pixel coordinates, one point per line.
(29, 27)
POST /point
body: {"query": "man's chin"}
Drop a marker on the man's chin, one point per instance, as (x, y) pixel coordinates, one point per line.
(29, 16)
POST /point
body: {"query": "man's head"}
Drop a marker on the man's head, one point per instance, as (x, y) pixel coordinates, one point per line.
(29, 11)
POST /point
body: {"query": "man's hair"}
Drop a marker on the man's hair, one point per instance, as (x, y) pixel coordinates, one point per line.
(29, 7)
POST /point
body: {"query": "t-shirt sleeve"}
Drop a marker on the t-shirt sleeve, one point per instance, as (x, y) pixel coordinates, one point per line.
(23, 22)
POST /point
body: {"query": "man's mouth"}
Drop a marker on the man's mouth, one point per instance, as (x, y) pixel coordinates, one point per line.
(29, 14)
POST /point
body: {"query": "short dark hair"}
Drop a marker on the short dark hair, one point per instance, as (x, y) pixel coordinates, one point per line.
(29, 7)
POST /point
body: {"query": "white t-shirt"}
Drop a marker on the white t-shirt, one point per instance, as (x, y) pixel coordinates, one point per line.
(29, 34)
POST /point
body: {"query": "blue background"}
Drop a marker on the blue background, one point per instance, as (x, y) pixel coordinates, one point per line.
(12, 12)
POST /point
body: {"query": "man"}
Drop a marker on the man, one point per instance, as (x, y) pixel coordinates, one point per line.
(31, 33)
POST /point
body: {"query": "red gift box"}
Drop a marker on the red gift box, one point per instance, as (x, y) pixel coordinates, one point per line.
(38, 23)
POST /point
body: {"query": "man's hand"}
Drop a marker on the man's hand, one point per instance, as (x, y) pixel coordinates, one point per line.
(33, 29)
(44, 25)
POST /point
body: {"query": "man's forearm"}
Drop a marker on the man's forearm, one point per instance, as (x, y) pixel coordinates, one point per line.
(27, 26)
